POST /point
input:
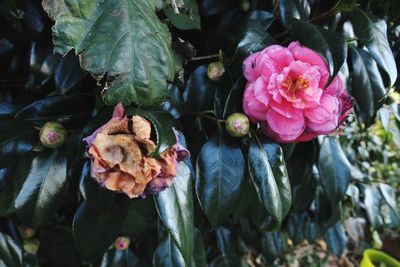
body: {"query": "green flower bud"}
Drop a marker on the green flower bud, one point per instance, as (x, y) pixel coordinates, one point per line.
(122, 243)
(245, 5)
(53, 135)
(238, 125)
(215, 70)
(31, 246)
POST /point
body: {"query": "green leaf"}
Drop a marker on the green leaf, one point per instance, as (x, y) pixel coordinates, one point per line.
(12, 180)
(58, 238)
(373, 34)
(336, 239)
(299, 167)
(68, 73)
(140, 213)
(226, 245)
(10, 252)
(120, 258)
(269, 175)
(289, 9)
(199, 91)
(389, 195)
(94, 231)
(199, 257)
(120, 39)
(367, 85)
(44, 189)
(97, 196)
(163, 124)
(249, 36)
(175, 208)
(334, 169)
(331, 45)
(167, 254)
(70, 111)
(17, 138)
(372, 205)
(187, 19)
(219, 176)
(271, 246)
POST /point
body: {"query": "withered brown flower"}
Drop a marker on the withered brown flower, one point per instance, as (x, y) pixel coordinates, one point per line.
(121, 156)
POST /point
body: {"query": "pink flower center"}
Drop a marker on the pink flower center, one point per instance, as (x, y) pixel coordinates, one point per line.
(53, 136)
(294, 86)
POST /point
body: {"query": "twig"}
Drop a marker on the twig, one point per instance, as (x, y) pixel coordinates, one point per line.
(204, 57)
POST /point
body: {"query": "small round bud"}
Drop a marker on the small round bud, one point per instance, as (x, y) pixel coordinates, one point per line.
(26, 232)
(245, 5)
(53, 135)
(238, 125)
(31, 245)
(215, 70)
(122, 243)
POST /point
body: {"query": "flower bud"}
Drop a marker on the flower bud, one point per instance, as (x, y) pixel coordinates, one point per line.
(238, 125)
(53, 135)
(31, 246)
(122, 243)
(215, 70)
(245, 5)
(26, 232)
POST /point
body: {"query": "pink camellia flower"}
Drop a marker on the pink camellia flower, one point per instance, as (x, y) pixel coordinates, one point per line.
(286, 93)
(121, 155)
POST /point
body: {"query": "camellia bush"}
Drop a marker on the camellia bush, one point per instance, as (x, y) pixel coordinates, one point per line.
(198, 133)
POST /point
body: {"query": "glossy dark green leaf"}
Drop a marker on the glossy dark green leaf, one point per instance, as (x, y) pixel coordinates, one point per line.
(174, 103)
(107, 36)
(10, 252)
(17, 138)
(101, 117)
(334, 169)
(94, 231)
(175, 208)
(268, 172)
(336, 239)
(301, 227)
(97, 196)
(271, 246)
(249, 36)
(167, 254)
(226, 244)
(199, 257)
(219, 175)
(12, 179)
(140, 213)
(188, 17)
(331, 45)
(289, 9)
(244, 201)
(163, 124)
(119, 258)
(55, 239)
(299, 167)
(68, 73)
(373, 34)
(44, 188)
(199, 91)
(70, 111)
(367, 85)
(234, 101)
